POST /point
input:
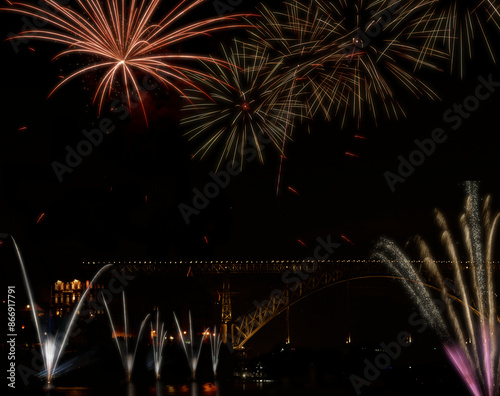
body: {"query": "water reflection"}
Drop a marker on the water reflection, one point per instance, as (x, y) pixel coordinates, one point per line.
(192, 389)
(130, 389)
(158, 389)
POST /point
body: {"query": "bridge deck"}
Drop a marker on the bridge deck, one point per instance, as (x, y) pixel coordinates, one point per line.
(242, 267)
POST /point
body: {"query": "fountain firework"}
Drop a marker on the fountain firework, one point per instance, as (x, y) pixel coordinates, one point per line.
(123, 345)
(158, 335)
(215, 343)
(192, 358)
(470, 333)
(52, 346)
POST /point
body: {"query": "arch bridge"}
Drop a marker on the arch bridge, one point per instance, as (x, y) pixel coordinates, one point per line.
(301, 278)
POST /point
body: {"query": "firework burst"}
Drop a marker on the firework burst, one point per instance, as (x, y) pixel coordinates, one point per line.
(302, 48)
(248, 109)
(121, 41)
(454, 24)
(377, 54)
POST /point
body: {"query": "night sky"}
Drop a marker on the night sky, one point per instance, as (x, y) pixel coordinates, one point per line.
(100, 210)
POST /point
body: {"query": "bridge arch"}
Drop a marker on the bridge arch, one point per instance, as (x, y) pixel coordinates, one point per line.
(249, 324)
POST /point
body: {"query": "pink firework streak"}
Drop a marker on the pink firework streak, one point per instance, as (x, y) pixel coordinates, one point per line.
(463, 366)
(466, 369)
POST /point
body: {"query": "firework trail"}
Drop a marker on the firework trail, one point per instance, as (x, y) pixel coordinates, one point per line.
(456, 25)
(158, 336)
(126, 354)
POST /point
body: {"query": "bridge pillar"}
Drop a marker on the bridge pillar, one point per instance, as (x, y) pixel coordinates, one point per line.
(226, 315)
(288, 325)
(223, 332)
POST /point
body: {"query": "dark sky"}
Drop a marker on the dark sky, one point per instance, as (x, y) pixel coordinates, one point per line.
(99, 211)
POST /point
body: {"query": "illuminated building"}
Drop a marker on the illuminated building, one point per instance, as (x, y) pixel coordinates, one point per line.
(65, 295)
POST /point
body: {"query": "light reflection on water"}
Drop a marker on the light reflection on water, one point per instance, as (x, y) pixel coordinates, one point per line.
(158, 389)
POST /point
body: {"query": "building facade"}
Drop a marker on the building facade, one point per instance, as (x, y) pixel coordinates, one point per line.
(65, 295)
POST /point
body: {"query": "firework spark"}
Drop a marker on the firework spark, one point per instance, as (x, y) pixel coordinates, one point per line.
(347, 239)
(247, 109)
(120, 40)
(302, 242)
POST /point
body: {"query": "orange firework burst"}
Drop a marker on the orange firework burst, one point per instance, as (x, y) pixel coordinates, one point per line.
(120, 39)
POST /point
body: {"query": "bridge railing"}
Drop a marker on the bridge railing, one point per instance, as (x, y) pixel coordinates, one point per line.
(252, 266)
